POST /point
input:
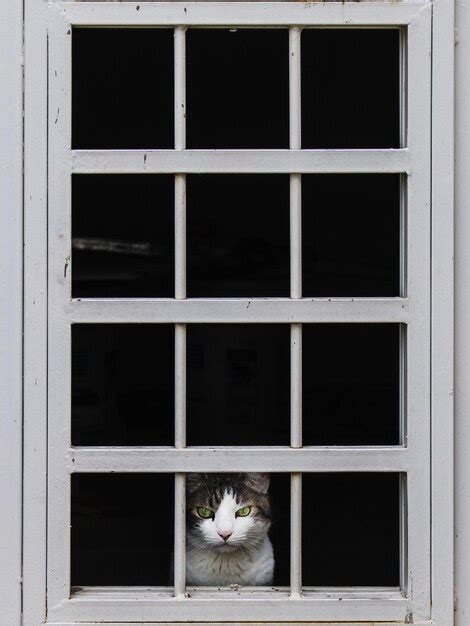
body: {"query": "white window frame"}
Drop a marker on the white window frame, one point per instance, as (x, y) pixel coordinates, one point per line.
(47, 442)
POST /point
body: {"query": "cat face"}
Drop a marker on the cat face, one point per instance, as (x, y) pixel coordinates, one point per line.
(227, 511)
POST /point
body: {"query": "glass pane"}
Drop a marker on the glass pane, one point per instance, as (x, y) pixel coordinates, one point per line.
(351, 235)
(122, 88)
(351, 375)
(351, 530)
(237, 88)
(350, 88)
(243, 521)
(238, 235)
(122, 384)
(238, 384)
(122, 529)
(122, 236)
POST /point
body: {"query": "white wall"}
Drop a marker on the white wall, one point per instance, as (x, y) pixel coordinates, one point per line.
(462, 314)
(11, 311)
(11, 252)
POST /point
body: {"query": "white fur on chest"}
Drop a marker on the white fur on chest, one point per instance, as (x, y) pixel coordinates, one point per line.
(213, 567)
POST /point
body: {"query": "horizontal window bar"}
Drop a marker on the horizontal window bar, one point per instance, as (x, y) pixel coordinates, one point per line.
(209, 623)
(383, 593)
(239, 459)
(239, 13)
(210, 606)
(307, 310)
(240, 161)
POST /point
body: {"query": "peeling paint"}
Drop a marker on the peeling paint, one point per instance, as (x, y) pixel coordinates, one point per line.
(66, 265)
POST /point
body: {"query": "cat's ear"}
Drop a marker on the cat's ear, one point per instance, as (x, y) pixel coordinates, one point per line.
(193, 482)
(257, 481)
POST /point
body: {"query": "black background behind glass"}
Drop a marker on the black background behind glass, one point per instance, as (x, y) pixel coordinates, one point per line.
(351, 384)
(237, 86)
(350, 529)
(122, 384)
(122, 88)
(350, 88)
(238, 236)
(122, 236)
(238, 384)
(122, 529)
(351, 235)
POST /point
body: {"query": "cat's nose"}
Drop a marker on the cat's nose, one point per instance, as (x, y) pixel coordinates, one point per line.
(224, 534)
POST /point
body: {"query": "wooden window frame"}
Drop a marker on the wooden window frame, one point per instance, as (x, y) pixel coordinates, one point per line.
(49, 321)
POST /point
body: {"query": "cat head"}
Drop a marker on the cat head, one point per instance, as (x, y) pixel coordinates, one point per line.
(227, 511)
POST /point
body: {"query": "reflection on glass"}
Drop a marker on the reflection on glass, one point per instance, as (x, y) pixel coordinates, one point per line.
(237, 88)
(351, 384)
(122, 384)
(351, 530)
(122, 88)
(351, 235)
(238, 384)
(350, 88)
(122, 236)
(122, 529)
(238, 235)
(241, 522)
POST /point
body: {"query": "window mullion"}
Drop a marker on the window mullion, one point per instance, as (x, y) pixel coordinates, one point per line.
(180, 329)
(295, 293)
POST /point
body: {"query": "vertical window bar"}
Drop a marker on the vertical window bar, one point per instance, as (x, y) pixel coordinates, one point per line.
(180, 179)
(403, 179)
(295, 292)
(403, 293)
(180, 329)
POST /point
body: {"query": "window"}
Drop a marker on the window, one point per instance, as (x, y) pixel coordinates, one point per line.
(152, 294)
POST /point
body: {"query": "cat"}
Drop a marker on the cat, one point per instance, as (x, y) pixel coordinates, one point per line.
(228, 519)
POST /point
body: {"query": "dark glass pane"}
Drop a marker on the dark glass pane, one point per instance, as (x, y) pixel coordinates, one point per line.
(122, 384)
(351, 384)
(238, 384)
(122, 529)
(350, 88)
(122, 88)
(238, 235)
(351, 235)
(279, 494)
(237, 88)
(351, 530)
(122, 236)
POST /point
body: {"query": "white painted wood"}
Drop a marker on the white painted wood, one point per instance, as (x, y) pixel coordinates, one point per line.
(296, 386)
(241, 161)
(442, 355)
(35, 314)
(59, 289)
(241, 13)
(278, 623)
(353, 593)
(268, 607)
(418, 331)
(295, 135)
(235, 459)
(11, 303)
(462, 316)
(180, 329)
(225, 310)
(413, 311)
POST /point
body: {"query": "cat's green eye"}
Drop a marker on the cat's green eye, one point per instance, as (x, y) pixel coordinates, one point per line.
(204, 512)
(244, 511)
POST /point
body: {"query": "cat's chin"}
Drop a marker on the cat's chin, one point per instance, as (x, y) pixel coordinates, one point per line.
(225, 547)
